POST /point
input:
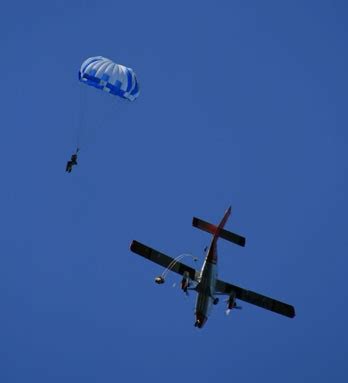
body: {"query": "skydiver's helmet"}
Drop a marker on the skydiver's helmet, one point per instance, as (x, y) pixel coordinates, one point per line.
(159, 280)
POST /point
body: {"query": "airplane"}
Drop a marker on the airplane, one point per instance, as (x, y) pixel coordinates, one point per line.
(205, 281)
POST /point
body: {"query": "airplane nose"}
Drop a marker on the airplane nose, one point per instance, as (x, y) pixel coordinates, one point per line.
(200, 320)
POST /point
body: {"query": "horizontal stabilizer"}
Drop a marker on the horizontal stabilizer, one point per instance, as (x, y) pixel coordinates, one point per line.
(225, 234)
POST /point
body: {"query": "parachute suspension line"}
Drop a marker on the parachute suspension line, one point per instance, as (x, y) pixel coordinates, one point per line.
(108, 113)
(81, 117)
(174, 262)
(118, 81)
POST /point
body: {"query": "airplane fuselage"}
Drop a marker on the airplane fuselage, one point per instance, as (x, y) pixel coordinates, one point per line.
(206, 286)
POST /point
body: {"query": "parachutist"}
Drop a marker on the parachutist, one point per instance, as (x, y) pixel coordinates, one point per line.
(71, 162)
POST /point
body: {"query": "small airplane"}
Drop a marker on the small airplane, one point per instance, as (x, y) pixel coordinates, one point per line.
(205, 281)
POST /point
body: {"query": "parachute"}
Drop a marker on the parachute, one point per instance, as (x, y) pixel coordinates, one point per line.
(104, 74)
(110, 77)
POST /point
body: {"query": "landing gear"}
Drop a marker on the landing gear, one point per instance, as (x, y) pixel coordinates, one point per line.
(215, 301)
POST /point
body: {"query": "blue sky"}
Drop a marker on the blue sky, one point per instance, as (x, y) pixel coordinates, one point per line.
(242, 103)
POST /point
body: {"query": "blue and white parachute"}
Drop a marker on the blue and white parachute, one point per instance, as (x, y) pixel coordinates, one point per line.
(113, 78)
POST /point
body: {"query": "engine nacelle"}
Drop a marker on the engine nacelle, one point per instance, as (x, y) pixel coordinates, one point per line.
(185, 282)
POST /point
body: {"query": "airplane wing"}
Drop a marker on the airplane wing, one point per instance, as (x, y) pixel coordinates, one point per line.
(162, 259)
(255, 299)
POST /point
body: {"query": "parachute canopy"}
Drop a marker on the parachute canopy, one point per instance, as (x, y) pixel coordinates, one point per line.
(113, 78)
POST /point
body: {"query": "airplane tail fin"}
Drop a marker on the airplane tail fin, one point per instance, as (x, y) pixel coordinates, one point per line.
(219, 230)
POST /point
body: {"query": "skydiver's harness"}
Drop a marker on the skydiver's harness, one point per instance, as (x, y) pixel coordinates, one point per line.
(74, 157)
